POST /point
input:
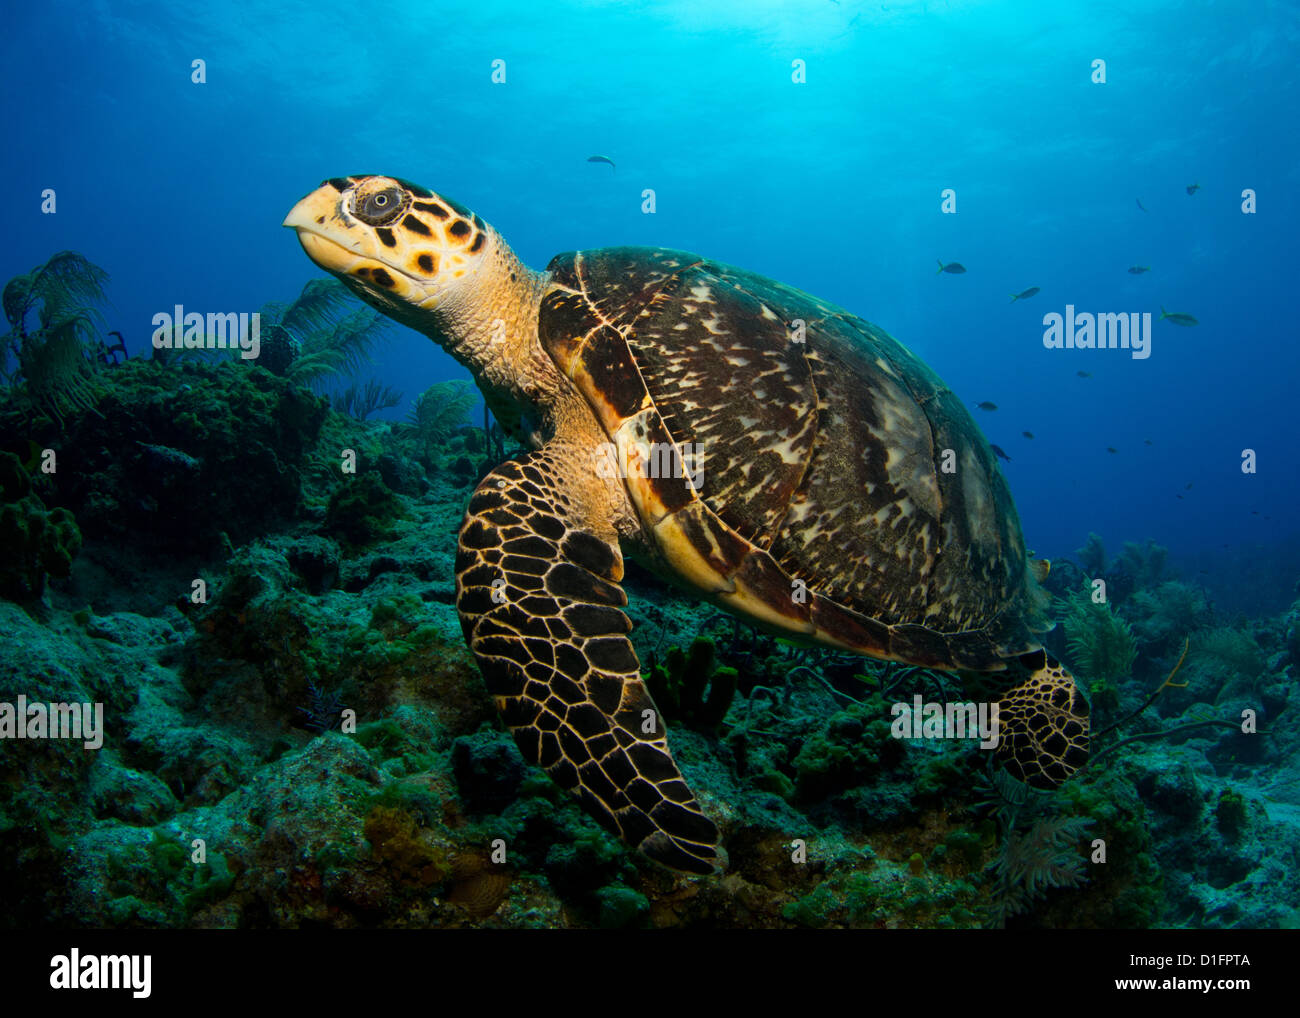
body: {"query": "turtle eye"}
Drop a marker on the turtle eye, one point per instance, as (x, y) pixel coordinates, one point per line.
(381, 207)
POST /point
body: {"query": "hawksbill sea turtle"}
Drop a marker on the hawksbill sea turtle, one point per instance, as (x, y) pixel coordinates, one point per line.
(847, 500)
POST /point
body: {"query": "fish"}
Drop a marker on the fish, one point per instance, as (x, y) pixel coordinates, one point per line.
(1189, 486)
(1177, 317)
(1111, 449)
(1140, 205)
(1024, 294)
(1178, 497)
(986, 405)
(1193, 188)
(997, 451)
(1028, 434)
(1137, 270)
(1147, 441)
(603, 159)
(1083, 374)
(956, 268)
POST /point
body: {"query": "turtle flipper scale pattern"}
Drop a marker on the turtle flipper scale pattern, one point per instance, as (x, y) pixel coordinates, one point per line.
(539, 602)
(1043, 733)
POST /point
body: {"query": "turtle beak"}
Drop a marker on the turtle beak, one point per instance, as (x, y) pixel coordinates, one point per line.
(317, 209)
(324, 231)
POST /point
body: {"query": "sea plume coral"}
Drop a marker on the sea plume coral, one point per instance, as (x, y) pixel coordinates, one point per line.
(322, 710)
(1092, 556)
(1162, 617)
(1144, 563)
(1039, 847)
(1235, 652)
(1101, 644)
(340, 349)
(438, 412)
(52, 321)
(1031, 862)
(360, 402)
(323, 332)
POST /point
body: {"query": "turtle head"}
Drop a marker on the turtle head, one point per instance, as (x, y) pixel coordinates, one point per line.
(432, 264)
(401, 247)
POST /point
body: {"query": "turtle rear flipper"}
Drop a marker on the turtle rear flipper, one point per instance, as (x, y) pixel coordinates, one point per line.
(1043, 735)
(539, 601)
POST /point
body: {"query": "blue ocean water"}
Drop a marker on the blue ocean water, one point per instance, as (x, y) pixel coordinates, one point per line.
(832, 184)
(229, 606)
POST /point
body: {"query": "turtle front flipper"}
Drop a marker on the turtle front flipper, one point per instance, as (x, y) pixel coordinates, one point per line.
(1043, 723)
(539, 601)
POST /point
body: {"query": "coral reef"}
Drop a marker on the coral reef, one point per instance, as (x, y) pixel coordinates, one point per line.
(165, 441)
(233, 791)
(688, 687)
(34, 542)
(361, 510)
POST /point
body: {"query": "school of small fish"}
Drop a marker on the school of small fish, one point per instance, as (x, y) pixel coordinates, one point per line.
(1173, 317)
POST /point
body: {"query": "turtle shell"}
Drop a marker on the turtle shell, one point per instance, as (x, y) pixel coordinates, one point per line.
(846, 496)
